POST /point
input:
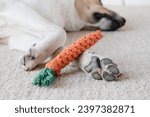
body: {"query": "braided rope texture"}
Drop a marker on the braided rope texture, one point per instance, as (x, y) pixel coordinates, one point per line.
(73, 51)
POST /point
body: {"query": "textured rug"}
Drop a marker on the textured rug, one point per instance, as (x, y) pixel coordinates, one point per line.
(129, 47)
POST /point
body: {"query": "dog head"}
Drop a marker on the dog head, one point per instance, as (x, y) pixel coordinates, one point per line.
(96, 16)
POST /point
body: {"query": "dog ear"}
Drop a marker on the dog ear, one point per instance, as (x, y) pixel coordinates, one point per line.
(101, 2)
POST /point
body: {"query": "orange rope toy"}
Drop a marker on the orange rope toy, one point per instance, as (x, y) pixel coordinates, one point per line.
(54, 67)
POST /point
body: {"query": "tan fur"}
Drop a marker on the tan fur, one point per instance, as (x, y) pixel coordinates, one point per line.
(86, 8)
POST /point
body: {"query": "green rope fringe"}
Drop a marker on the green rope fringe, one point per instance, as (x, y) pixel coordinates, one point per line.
(45, 78)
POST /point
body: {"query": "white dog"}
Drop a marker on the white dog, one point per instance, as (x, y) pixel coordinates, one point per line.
(39, 28)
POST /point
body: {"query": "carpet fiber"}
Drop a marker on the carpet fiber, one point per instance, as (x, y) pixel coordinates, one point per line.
(129, 47)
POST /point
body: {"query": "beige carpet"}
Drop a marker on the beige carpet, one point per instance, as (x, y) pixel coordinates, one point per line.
(129, 47)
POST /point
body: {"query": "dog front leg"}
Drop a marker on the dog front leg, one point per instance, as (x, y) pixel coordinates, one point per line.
(42, 50)
(31, 29)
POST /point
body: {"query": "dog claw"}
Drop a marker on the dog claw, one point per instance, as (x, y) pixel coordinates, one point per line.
(27, 69)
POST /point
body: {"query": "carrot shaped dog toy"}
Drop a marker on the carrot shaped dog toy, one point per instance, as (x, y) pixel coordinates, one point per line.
(52, 69)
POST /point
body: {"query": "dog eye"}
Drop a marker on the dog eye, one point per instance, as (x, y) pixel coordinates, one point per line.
(97, 16)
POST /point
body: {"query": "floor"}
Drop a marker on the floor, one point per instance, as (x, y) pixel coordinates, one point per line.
(129, 47)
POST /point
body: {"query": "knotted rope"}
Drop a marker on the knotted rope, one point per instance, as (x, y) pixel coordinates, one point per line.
(54, 67)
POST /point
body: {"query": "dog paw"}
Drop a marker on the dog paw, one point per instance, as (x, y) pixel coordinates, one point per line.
(110, 71)
(32, 53)
(94, 68)
(28, 60)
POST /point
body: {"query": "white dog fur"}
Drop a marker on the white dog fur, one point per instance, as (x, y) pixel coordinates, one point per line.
(39, 27)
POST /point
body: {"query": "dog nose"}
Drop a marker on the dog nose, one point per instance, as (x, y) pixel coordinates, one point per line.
(114, 26)
(122, 22)
(117, 23)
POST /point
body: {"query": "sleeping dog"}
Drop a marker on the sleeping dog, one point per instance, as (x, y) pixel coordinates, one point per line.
(39, 28)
